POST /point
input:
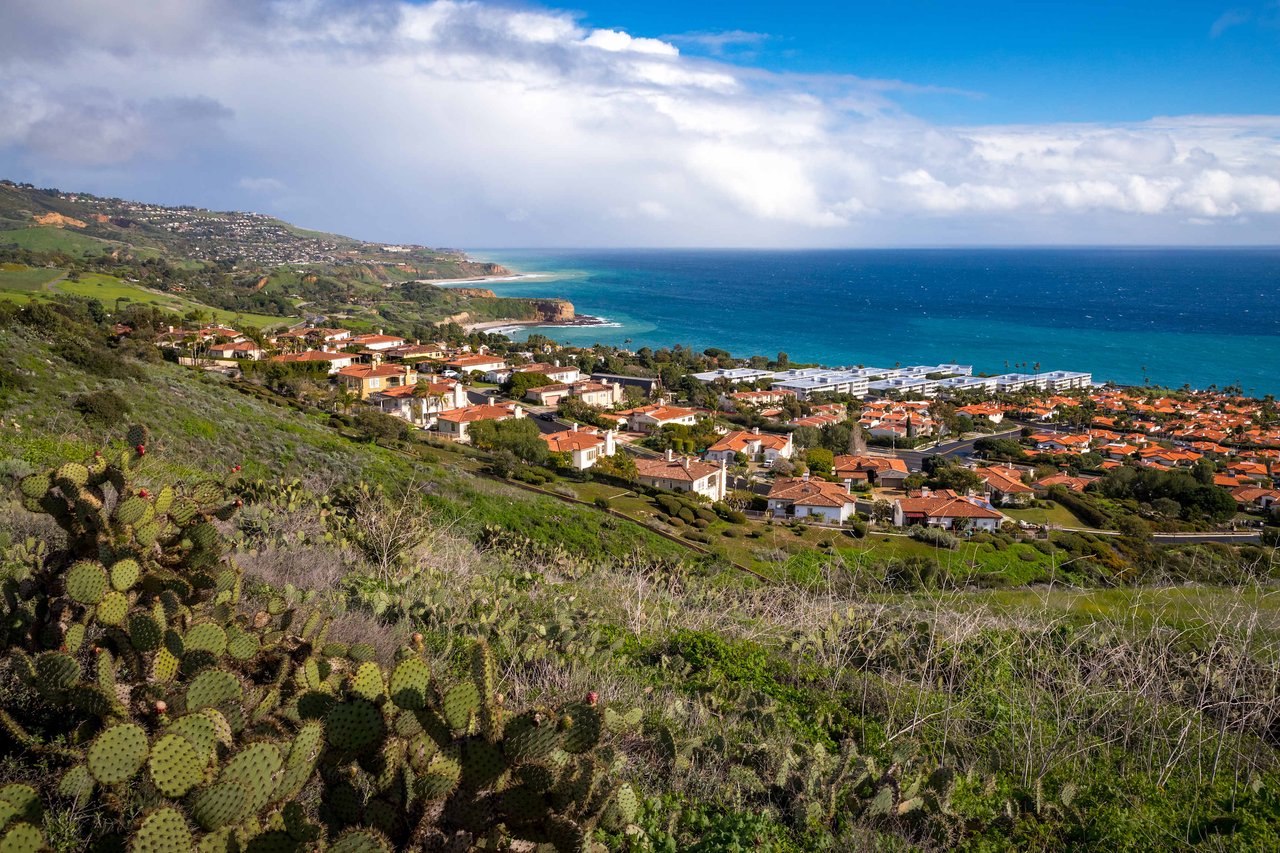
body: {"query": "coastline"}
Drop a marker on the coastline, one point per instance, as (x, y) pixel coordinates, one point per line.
(501, 326)
(448, 282)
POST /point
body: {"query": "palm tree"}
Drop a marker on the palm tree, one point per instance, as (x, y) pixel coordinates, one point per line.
(424, 395)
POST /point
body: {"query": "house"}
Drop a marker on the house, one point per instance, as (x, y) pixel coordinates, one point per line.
(802, 497)
(415, 352)
(455, 424)
(755, 399)
(1061, 442)
(376, 342)
(336, 360)
(596, 394)
(312, 335)
(241, 349)
(655, 417)
(882, 471)
(944, 509)
(645, 384)
(1075, 484)
(365, 379)
(1004, 485)
(755, 445)
(209, 333)
(584, 446)
(554, 372)
(422, 402)
(683, 474)
(1248, 497)
(475, 363)
(977, 411)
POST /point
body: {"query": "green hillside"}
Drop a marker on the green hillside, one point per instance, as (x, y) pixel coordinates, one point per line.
(653, 695)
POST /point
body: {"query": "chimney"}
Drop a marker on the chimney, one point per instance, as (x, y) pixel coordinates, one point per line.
(805, 476)
(755, 430)
(379, 331)
(670, 455)
(575, 426)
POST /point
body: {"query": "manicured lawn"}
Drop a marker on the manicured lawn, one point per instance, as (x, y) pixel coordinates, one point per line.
(1054, 513)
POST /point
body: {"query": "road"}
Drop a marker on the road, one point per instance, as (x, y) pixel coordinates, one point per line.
(914, 458)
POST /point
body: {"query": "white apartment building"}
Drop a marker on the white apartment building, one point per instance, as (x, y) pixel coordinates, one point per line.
(806, 382)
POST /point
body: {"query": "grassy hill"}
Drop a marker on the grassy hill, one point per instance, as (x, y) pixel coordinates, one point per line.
(807, 711)
(236, 263)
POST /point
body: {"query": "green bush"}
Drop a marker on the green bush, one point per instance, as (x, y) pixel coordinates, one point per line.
(103, 407)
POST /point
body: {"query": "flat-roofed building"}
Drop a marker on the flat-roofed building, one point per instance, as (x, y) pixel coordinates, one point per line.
(905, 385)
(1067, 380)
(734, 375)
(805, 383)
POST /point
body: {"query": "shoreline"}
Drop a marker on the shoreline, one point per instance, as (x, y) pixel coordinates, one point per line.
(498, 326)
(447, 282)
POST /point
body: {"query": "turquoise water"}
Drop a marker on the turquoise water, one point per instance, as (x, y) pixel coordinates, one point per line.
(1170, 316)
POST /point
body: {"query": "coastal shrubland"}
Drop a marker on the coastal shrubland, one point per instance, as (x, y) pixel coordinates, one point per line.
(1015, 692)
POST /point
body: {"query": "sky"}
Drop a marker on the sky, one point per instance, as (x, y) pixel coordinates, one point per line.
(743, 124)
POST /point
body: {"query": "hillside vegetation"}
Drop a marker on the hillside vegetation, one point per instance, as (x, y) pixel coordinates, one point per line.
(350, 609)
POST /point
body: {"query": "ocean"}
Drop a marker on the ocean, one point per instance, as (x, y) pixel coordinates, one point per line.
(1131, 315)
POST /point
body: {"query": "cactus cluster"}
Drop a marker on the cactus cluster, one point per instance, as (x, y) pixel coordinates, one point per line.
(213, 717)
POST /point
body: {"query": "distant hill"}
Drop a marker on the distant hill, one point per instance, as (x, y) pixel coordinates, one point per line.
(236, 263)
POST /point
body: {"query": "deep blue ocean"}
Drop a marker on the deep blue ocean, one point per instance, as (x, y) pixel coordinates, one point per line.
(1167, 316)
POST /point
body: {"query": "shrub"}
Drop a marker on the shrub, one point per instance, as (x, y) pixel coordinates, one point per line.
(935, 536)
(601, 502)
(104, 407)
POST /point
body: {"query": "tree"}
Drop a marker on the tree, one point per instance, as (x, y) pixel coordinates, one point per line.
(819, 459)
(518, 436)
(379, 427)
(518, 383)
(620, 466)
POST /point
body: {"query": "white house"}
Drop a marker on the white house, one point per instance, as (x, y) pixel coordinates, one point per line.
(455, 424)
(654, 418)
(584, 446)
(802, 497)
(683, 475)
(755, 445)
(336, 360)
(406, 402)
(944, 509)
(734, 375)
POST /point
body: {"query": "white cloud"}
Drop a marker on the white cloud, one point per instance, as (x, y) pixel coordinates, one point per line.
(464, 123)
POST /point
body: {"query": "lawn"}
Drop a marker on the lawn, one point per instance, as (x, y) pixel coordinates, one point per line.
(1052, 513)
(24, 283)
(26, 279)
(51, 239)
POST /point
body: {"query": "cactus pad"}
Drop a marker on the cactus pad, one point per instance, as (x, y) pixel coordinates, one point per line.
(72, 474)
(86, 582)
(145, 632)
(439, 780)
(211, 688)
(361, 652)
(56, 672)
(460, 703)
(361, 841)
(200, 732)
(162, 831)
(566, 835)
(353, 726)
(219, 805)
(113, 609)
(584, 731)
(124, 574)
(76, 784)
(164, 667)
(301, 762)
(133, 511)
(117, 753)
(367, 682)
(22, 803)
(35, 485)
(409, 684)
(257, 768)
(482, 763)
(22, 838)
(176, 766)
(241, 645)
(206, 637)
(530, 737)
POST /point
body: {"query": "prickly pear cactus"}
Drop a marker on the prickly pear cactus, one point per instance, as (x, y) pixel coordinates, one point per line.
(199, 722)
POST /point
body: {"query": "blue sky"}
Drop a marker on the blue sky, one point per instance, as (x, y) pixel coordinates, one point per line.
(1028, 61)
(477, 123)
